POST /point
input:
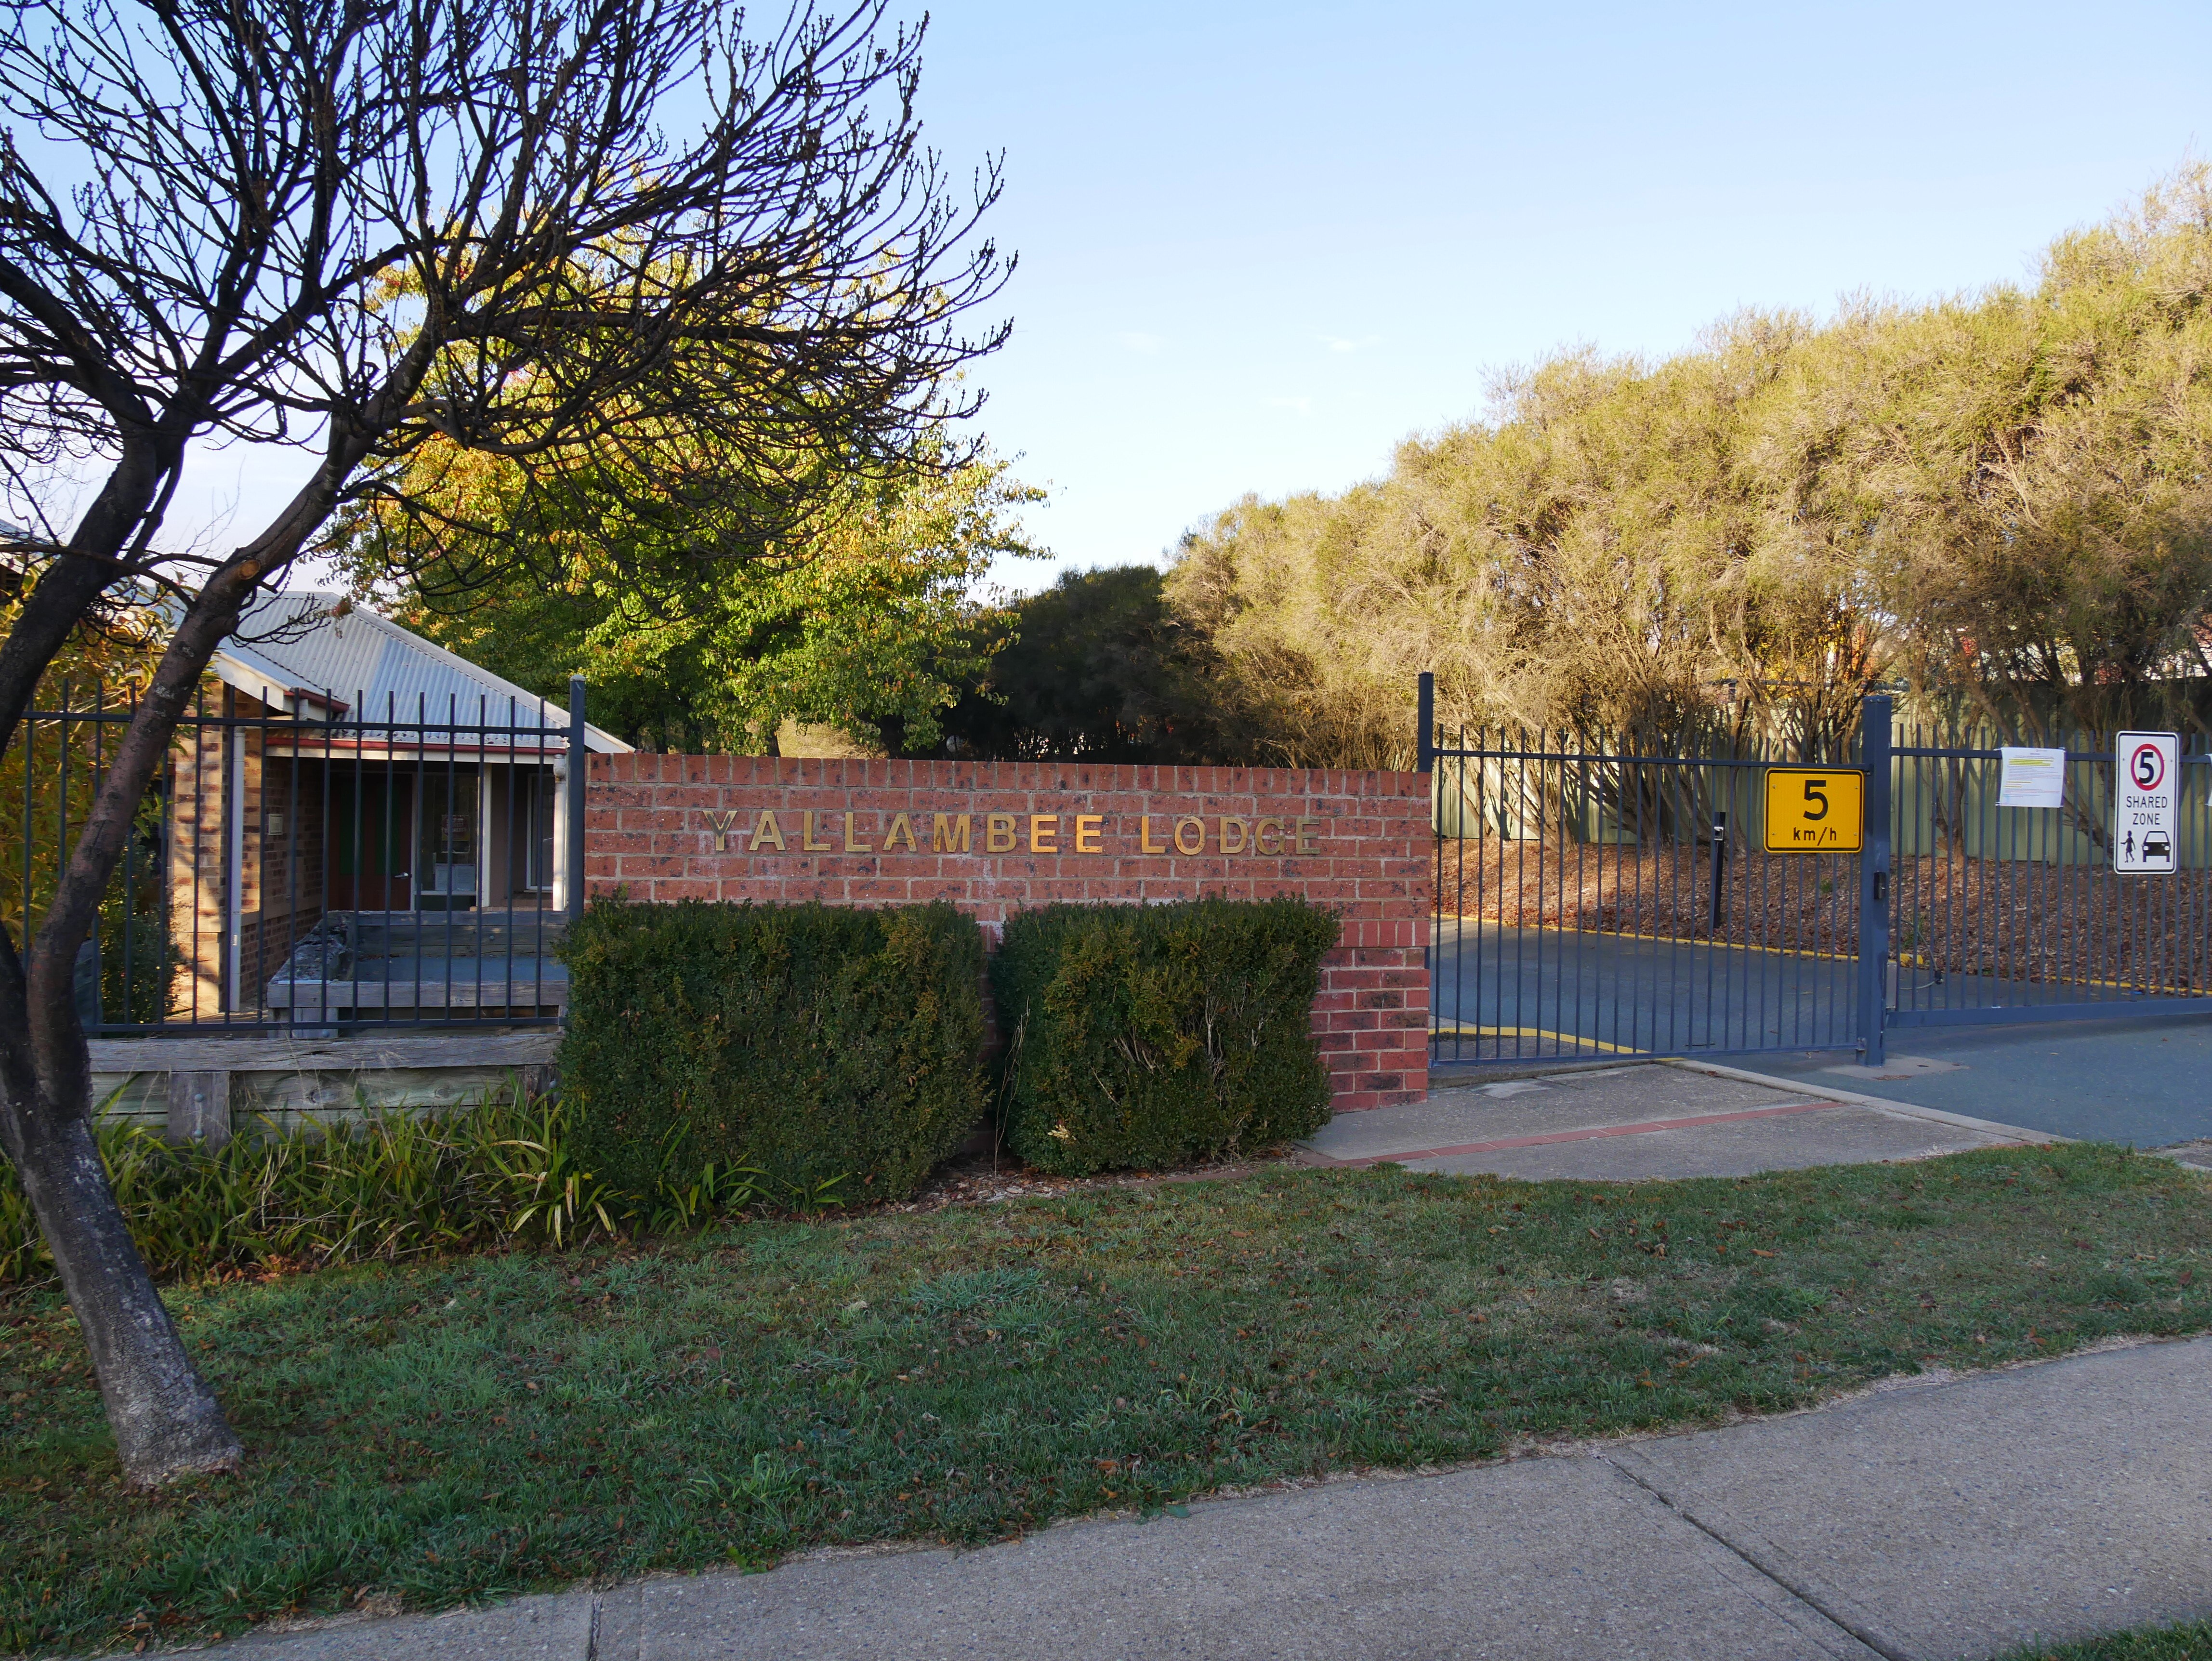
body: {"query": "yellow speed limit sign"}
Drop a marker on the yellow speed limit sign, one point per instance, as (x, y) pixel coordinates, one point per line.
(1815, 810)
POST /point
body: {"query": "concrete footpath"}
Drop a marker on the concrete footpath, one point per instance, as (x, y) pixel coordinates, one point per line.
(1930, 1519)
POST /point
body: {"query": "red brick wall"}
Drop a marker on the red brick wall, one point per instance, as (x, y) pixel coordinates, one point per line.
(1355, 842)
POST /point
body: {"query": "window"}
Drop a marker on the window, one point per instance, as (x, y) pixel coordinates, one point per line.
(544, 795)
(445, 867)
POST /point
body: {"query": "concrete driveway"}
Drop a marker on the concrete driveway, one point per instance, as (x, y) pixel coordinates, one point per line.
(2146, 1082)
(1645, 1119)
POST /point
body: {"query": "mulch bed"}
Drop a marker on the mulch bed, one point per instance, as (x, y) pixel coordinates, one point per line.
(2013, 920)
(979, 1179)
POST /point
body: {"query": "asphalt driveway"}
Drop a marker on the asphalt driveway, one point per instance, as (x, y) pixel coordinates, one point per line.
(1508, 998)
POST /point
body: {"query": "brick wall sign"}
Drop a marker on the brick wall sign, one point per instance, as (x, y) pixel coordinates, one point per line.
(995, 838)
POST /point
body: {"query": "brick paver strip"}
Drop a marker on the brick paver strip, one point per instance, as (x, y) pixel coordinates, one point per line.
(1641, 1129)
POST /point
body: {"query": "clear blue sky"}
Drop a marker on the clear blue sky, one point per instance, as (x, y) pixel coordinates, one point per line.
(1261, 244)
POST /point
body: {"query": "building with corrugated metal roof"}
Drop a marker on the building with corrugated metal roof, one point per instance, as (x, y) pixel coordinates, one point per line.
(353, 783)
(307, 653)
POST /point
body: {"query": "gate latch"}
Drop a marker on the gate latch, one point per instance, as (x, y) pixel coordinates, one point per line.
(1880, 886)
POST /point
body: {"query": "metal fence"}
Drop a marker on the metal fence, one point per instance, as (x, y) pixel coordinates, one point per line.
(303, 865)
(2004, 915)
(1595, 897)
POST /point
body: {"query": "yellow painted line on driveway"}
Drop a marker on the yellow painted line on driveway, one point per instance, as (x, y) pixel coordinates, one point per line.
(1535, 1032)
(1910, 958)
(1655, 940)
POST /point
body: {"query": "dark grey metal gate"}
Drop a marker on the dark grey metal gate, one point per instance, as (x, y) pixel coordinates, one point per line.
(1595, 897)
(2002, 914)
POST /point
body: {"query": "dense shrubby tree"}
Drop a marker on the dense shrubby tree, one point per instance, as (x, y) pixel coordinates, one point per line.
(2004, 499)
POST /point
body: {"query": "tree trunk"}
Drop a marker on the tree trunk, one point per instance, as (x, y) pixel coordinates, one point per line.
(167, 1421)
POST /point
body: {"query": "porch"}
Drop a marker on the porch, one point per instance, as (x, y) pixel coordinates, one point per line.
(421, 966)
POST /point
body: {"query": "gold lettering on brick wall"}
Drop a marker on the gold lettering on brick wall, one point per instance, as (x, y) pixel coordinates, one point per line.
(1227, 836)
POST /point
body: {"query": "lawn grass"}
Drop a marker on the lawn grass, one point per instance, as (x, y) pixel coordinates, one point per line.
(469, 1426)
(2192, 1642)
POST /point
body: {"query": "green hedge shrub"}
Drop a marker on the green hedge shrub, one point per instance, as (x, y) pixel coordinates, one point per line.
(810, 1043)
(1142, 1035)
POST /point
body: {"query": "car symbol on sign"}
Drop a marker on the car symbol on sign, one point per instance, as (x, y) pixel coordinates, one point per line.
(2156, 847)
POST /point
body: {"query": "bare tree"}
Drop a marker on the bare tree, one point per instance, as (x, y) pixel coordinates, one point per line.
(357, 225)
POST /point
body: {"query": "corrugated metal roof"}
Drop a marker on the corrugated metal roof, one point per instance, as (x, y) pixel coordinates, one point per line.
(294, 646)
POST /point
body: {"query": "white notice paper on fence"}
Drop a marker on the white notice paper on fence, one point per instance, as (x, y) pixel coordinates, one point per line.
(2032, 778)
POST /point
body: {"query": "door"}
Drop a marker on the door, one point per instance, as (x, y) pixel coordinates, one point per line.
(375, 823)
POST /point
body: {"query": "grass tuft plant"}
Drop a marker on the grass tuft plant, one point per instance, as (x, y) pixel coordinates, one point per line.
(382, 1186)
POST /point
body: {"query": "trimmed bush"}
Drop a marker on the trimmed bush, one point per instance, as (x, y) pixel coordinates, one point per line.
(813, 1043)
(1140, 1036)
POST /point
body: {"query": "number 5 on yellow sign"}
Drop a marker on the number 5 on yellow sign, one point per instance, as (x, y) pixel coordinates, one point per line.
(1815, 810)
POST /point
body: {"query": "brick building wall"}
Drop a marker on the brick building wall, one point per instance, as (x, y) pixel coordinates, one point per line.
(199, 863)
(280, 860)
(281, 863)
(995, 838)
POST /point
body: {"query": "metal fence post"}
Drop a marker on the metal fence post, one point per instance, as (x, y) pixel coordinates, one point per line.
(1424, 699)
(1720, 870)
(578, 775)
(1425, 763)
(1874, 880)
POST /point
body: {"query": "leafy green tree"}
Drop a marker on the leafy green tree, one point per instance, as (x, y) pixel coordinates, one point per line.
(1097, 667)
(859, 619)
